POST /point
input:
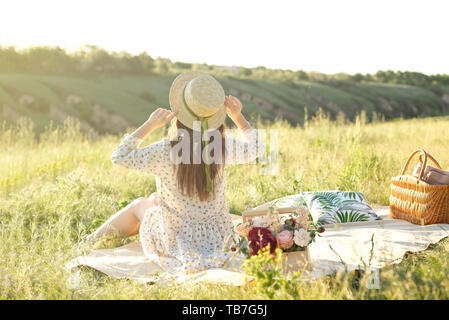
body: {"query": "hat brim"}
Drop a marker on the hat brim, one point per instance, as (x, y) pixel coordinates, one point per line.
(177, 103)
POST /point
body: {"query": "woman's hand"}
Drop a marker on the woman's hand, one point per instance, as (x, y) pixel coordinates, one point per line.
(233, 107)
(159, 118)
(234, 110)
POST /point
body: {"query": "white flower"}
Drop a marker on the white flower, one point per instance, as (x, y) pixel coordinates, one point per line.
(301, 211)
(303, 222)
(302, 238)
(302, 216)
(261, 222)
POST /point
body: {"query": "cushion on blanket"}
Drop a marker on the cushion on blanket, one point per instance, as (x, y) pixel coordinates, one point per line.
(330, 207)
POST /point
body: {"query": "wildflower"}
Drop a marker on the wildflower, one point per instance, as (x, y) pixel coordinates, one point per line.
(243, 229)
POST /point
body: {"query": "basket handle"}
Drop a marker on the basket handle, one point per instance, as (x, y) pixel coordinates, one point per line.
(431, 158)
(423, 152)
(261, 212)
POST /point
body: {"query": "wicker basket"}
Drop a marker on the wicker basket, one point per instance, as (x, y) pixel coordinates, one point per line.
(417, 201)
(293, 261)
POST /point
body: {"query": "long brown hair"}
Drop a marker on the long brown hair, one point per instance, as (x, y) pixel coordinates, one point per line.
(192, 177)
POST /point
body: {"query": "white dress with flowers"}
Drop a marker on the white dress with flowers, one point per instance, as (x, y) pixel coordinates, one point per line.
(184, 234)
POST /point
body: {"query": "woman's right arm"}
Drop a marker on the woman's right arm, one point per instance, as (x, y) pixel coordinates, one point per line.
(234, 110)
(238, 152)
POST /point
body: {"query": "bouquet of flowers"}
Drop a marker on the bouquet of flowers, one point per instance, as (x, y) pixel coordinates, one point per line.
(293, 232)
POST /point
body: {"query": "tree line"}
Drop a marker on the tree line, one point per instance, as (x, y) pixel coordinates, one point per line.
(93, 60)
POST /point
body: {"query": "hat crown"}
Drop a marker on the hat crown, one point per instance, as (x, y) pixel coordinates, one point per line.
(204, 95)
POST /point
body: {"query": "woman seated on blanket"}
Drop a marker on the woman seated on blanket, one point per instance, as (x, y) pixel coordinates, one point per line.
(184, 226)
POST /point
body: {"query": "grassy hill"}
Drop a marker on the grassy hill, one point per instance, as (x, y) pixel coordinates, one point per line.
(111, 103)
(57, 188)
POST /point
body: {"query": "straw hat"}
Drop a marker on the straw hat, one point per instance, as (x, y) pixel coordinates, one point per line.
(198, 97)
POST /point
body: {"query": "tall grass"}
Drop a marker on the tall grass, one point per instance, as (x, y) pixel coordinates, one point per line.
(60, 185)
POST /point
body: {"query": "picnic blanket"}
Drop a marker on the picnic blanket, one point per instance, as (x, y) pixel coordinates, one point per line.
(366, 244)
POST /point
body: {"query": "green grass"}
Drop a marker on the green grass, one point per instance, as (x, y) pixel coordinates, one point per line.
(58, 187)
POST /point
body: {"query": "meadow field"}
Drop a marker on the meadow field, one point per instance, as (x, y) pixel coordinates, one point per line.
(60, 184)
(109, 103)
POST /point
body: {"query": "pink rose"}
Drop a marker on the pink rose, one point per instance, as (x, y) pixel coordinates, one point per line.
(285, 239)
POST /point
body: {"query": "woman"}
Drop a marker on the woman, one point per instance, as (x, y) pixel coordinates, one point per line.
(184, 225)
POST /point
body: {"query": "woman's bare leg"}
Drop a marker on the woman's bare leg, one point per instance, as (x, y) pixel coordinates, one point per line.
(125, 222)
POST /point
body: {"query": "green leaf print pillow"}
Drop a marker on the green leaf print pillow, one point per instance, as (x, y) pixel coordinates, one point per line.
(329, 207)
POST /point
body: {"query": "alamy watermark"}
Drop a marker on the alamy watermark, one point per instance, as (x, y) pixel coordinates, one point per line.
(261, 146)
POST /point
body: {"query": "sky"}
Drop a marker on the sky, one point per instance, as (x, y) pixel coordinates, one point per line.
(314, 35)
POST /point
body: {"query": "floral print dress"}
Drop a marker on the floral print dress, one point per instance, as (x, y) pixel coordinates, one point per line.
(184, 234)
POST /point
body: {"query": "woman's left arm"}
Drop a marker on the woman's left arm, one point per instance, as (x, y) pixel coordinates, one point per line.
(129, 155)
